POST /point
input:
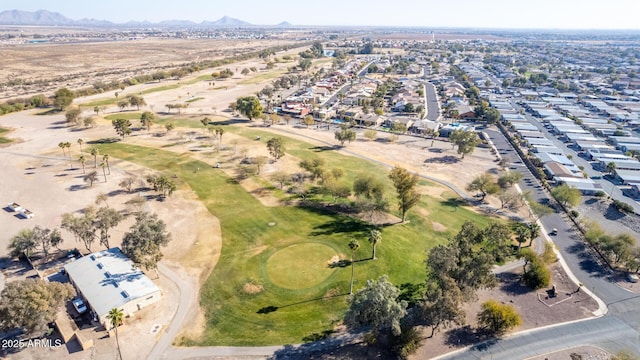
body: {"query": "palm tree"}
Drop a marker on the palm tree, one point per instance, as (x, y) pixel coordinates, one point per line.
(115, 317)
(95, 153)
(219, 132)
(534, 231)
(105, 159)
(522, 233)
(80, 142)
(375, 237)
(82, 160)
(104, 172)
(353, 245)
(68, 146)
(62, 146)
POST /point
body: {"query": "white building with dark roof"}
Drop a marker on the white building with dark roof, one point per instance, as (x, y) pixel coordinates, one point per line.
(108, 280)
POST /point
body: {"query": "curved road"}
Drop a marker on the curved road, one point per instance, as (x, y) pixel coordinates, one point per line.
(618, 330)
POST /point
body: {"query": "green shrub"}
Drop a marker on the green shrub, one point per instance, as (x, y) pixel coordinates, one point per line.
(498, 318)
(622, 206)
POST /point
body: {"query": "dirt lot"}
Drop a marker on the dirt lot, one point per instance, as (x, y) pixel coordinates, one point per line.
(78, 65)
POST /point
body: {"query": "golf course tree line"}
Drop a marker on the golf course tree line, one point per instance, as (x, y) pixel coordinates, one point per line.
(455, 271)
(369, 194)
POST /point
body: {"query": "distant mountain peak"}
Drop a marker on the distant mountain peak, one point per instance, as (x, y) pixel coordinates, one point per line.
(285, 24)
(40, 17)
(228, 21)
(48, 18)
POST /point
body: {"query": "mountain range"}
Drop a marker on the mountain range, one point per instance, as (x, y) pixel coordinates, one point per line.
(48, 18)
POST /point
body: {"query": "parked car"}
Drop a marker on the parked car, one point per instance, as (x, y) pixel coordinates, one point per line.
(15, 207)
(27, 214)
(79, 305)
(632, 277)
(554, 231)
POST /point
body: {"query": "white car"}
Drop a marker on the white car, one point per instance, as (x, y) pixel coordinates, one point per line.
(632, 278)
(79, 305)
(15, 207)
(27, 214)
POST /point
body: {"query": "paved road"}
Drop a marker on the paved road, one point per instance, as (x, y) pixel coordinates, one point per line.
(188, 291)
(617, 330)
(433, 105)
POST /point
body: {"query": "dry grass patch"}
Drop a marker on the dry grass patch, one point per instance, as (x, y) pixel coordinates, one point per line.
(438, 227)
(252, 288)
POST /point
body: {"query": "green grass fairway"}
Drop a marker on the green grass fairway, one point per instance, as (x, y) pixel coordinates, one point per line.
(100, 102)
(262, 290)
(300, 266)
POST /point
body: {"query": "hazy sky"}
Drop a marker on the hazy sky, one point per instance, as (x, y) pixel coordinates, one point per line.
(558, 14)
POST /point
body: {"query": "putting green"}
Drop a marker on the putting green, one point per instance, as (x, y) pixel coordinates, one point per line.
(300, 266)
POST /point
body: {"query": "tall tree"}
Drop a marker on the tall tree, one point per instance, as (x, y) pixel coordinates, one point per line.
(95, 152)
(522, 233)
(147, 119)
(46, 238)
(308, 120)
(566, 195)
(249, 106)
(219, 132)
(405, 184)
(534, 231)
(116, 318)
(91, 178)
(24, 243)
(62, 98)
(82, 227)
(32, 304)
(441, 304)
(143, 243)
(276, 148)
(376, 305)
(466, 141)
(137, 101)
(80, 142)
(122, 127)
(103, 165)
(345, 134)
(73, 116)
(105, 159)
(375, 237)
(353, 245)
(509, 179)
(484, 184)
